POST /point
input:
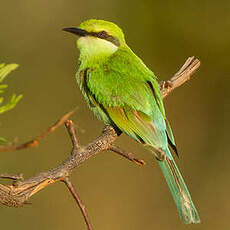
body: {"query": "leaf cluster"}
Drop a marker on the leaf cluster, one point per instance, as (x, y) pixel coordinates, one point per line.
(5, 70)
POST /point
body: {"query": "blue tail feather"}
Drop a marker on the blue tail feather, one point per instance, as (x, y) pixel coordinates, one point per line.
(179, 191)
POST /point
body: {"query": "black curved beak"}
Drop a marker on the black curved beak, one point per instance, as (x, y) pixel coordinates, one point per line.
(77, 31)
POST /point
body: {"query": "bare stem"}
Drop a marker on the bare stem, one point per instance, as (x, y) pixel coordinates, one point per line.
(11, 176)
(179, 78)
(76, 197)
(126, 155)
(35, 141)
(72, 133)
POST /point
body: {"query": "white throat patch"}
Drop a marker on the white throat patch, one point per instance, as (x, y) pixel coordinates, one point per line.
(92, 46)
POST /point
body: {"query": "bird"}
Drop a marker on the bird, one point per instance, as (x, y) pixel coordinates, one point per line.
(124, 93)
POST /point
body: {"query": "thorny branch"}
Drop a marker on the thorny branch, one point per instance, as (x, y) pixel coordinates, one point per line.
(18, 193)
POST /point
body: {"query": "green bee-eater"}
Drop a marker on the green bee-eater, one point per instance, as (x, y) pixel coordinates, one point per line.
(124, 93)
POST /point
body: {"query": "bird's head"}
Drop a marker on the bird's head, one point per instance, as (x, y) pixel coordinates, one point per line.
(97, 37)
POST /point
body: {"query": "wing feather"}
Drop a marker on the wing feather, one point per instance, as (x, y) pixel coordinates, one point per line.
(124, 92)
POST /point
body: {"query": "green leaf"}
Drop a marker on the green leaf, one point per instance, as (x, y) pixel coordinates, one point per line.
(3, 141)
(11, 104)
(1, 100)
(6, 69)
(2, 87)
(2, 65)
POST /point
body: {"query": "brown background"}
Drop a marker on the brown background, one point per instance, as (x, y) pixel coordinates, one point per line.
(118, 194)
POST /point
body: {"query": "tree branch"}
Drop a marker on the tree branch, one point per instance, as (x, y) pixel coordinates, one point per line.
(179, 78)
(35, 141)
(18, 193)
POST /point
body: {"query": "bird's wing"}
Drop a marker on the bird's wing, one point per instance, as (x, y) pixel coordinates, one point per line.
(124, 79)
(128, 93)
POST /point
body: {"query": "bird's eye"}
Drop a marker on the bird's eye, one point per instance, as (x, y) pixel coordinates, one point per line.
(102, 34)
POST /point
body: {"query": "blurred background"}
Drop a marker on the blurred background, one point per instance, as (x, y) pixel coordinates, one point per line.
(117, 193)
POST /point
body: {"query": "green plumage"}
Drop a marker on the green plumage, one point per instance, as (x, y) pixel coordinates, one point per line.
(123, 92)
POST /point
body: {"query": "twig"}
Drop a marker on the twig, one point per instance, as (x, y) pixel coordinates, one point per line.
(79, 202)
(34, 142)
(126, 155)
(72, 132)
(18, 193)
(11, 176)
(183, 75)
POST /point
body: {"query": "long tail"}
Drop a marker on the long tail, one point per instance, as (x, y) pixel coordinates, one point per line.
(179, 191)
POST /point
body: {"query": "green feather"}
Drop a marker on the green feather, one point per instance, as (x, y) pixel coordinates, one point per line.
(179, 191)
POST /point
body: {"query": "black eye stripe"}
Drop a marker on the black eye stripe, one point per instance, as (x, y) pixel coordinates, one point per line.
(104, 35)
